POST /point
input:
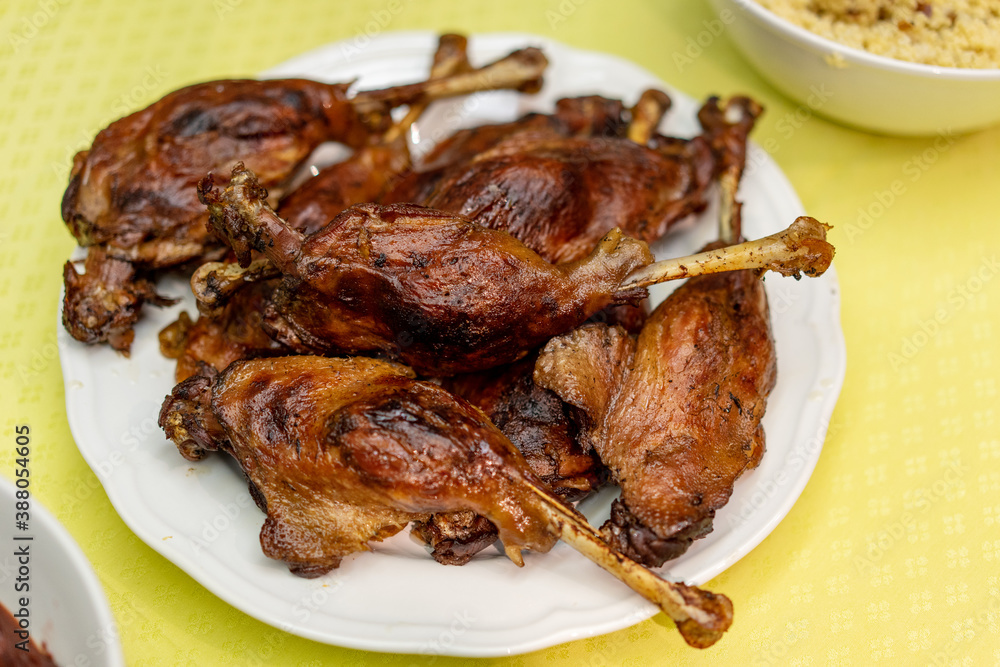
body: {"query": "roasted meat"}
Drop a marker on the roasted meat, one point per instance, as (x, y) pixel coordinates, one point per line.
(536, 422)
(441, 293)
(133, 192)
(231, 298)
(429, 288)
(341, 452)
(382, 172)
(374, 168)
(561, 194)
(676, 414)
(103, 303)
(219, 339)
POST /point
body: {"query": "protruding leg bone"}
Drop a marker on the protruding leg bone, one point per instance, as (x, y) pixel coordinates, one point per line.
(802, 248)
(701, 617)
(231, 210)
(450, 58)
(521, 70)
(647, 114)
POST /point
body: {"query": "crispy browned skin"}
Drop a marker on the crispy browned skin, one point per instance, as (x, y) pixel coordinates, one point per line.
(591, 115)
(435, 290)
(584, 116)
(360, 178)
(675, 415)
(103, 303)
(134, 190)
(536, 422)
(559, 193)
(340, 452)
(236, 332)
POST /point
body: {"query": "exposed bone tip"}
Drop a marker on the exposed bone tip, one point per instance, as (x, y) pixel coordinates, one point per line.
(514, 553)
(810, 227)
(533, 57)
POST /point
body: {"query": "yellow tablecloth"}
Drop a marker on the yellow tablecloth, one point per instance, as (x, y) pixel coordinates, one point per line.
(891, 554)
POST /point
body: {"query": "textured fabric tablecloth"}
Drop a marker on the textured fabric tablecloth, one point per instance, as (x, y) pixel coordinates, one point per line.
(891, 554)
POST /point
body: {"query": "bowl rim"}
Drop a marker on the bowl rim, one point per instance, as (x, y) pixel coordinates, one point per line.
(860, 56)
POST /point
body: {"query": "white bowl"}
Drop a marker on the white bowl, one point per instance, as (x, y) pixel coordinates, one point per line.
(871, 92)
(67, 611)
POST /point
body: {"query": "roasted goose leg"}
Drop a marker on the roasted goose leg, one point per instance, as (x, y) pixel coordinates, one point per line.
(133, 192)
(437, 291)
(382, 172)
(231, 298)
(535, 420)
(340, 452)
(675, 415)
(431, 288)
(560, 195)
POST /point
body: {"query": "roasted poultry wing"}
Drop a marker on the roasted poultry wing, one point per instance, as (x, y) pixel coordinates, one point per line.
(340, 452)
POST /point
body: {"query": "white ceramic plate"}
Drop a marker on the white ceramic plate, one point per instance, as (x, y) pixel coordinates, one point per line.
(68, 612)
(201, 518)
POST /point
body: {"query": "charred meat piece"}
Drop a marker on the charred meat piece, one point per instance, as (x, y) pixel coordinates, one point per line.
(341, 452)
(133, 192)
(561, 194)
(429, 288)
(676, 414)
(103, 303)
(236, 332)
(536, 422)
